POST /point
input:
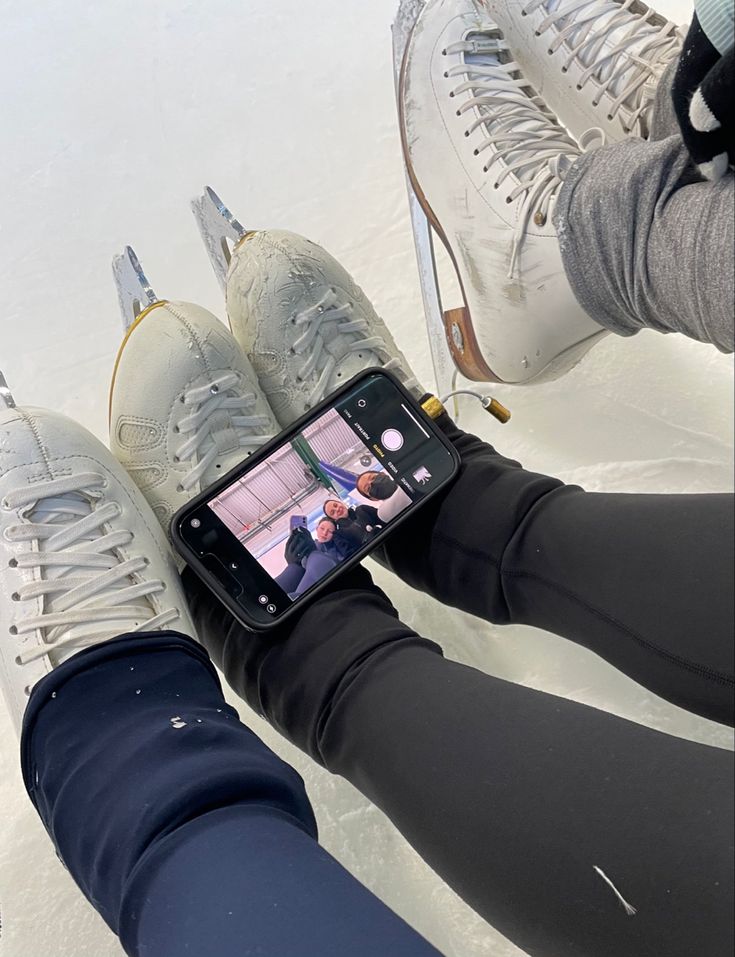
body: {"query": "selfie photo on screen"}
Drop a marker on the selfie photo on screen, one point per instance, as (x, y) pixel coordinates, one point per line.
(311, 505)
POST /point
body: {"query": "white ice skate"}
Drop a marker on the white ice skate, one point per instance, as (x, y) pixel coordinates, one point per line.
(83, 557)
(596, 63)
(185, 406)
(485, 160)
(303, 322)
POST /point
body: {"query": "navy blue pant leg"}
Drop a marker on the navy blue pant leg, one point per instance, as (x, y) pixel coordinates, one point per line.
(181, 827)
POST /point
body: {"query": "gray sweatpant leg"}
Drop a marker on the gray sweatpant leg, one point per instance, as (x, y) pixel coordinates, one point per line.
(645, 242)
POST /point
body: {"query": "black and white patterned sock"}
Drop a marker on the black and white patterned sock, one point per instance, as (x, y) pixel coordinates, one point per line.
(703, 91)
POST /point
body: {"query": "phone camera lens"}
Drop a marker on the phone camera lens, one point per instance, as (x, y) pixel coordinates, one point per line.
(195, 523)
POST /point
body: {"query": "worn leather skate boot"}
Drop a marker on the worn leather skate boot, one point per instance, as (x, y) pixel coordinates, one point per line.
(486, 159)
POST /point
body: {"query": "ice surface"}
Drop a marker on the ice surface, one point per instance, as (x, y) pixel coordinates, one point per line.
(114, 116)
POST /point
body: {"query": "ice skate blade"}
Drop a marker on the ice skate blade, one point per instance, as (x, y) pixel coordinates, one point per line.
(134, 292)
(444, 369)
(219, 229)
(6, 396)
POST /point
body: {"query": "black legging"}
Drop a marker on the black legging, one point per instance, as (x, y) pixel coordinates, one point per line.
(515, 796)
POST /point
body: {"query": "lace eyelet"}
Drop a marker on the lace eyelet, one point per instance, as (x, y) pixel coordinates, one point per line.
(451, 93)
(466, 132)
(595, 103)
(444, 52)
(180, 488)
(446, 75)
(15, 596)
(13, 630)
(18, 661)
(146, 561)
(175, 459)
(579, 86)
(565, 69)
(550, 52)
(176, 430)
(496, 185)
(27, 689)
(523, 13)
(610, 117)
(476, 152)
(536, 33)
(508, 199)
(13, 563)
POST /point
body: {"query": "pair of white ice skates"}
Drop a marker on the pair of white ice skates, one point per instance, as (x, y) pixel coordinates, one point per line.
(84, 551)
(480, 86)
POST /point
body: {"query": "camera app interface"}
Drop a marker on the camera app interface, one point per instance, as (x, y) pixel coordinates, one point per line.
(320, 498)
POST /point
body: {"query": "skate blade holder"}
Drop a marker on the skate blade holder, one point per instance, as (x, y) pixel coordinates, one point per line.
(219, 229)
(134, 292)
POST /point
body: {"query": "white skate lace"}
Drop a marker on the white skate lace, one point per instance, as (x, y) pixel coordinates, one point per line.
(526, 141)
(206, 401)
(638, 54)
(311, 343)
(89, 592)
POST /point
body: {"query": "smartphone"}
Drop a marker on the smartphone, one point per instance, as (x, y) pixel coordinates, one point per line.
(297, 521)
(314, 501)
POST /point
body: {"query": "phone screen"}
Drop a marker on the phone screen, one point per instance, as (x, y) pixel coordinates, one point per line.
(322, 496)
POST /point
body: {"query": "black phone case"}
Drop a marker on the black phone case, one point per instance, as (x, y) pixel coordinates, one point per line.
(214, 584)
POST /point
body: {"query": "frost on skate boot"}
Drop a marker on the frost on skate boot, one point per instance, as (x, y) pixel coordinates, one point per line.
(83, 557)
(185, 406)
(303, 322)
(596, 64)
(486, 159)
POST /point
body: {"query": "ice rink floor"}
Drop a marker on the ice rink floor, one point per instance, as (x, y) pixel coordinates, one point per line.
(114, 116)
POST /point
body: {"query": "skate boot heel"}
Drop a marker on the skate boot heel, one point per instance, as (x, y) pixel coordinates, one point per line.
(464, 348)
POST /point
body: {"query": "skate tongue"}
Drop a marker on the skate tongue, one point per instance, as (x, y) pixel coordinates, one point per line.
(607, 37)
(60, 510)
(525, 116)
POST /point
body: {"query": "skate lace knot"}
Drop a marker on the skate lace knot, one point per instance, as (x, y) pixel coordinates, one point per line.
(207, 403)
(312, 344)
(89, 592)
(584, 27)
(524, 139)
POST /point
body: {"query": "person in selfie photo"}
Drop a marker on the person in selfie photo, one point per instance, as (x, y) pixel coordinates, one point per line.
(357, 522)
(375, 485)
(309, 559)
(380, 487)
